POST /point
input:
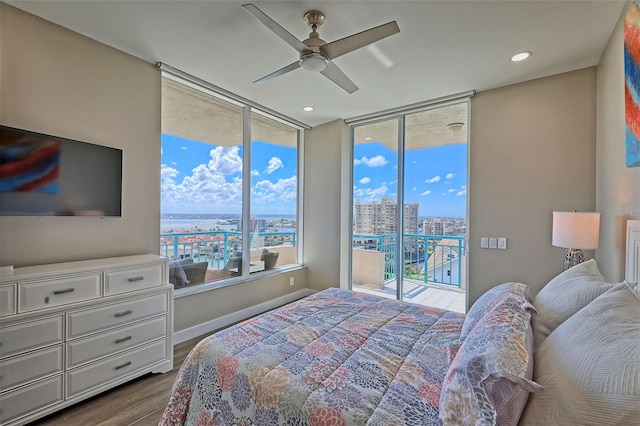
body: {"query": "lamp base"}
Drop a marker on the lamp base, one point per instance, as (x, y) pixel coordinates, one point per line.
(572, 257)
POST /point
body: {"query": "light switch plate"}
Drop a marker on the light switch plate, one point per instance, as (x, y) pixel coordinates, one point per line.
(502, 243)
(493, 243)
(484, 242)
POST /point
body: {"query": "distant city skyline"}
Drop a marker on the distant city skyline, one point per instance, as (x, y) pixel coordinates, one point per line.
(200, 178)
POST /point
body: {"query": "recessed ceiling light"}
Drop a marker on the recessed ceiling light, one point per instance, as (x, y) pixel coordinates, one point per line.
(520, 56)
(368, 139)
(455, 127)
(308, 108)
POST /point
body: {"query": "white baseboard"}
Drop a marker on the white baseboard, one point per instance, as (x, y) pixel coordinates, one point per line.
(224, 321)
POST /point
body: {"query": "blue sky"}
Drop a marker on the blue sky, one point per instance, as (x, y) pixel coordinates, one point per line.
(206, 179)
(434, 177)
(202, 178)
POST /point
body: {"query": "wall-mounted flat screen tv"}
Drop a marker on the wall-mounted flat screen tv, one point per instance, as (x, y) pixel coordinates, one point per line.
(44, 175)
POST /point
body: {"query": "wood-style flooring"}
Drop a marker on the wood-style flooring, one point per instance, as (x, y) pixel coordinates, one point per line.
(139, 402)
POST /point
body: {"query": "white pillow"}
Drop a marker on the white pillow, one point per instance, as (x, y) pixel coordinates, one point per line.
(565, 295)
(589, 366)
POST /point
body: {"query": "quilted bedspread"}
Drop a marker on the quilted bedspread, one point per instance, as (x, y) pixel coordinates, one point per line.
(334, 358)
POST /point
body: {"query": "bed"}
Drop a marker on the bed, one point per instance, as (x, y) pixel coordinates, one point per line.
(571, 355)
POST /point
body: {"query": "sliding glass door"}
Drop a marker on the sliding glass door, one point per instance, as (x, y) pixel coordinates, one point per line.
(418, 161)
(375, 213)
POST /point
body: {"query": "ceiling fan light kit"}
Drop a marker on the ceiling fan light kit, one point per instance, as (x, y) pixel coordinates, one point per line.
(316, 54)
(313, 62)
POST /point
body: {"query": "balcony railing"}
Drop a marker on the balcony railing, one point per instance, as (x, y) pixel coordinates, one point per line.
(427, 258)
(215, 247)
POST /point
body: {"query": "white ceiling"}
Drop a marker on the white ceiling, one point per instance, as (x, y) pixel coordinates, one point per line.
(443, 48)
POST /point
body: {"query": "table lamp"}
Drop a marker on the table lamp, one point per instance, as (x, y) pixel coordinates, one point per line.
(575, 231)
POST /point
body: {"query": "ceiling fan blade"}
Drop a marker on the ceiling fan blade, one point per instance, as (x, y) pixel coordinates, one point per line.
(285, 35)
(281, 71)
(335, 74)
(356, 41)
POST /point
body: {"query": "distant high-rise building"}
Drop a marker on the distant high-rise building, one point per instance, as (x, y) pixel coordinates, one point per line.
(437, 227)
(382, 217)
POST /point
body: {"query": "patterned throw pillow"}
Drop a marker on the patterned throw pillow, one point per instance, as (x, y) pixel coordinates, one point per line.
(489, 300)
(590, 366)
(488, 381)
(565, 295)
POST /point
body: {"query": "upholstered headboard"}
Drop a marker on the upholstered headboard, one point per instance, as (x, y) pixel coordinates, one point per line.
(632, 274)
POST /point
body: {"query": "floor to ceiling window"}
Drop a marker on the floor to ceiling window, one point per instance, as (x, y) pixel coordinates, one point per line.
(417, 160)
(229, 191)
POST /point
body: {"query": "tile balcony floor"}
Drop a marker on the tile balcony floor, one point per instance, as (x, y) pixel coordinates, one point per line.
(438, 296)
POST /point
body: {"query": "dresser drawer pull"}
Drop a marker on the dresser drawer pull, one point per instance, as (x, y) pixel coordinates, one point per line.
(133, 279)
(121, 314)
(124, 339)
(118, 367)
(67, 290)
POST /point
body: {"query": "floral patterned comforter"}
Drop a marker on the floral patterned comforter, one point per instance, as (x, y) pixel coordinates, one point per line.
(334, 358)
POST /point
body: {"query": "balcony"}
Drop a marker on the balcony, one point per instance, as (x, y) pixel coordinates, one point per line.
(433, 265)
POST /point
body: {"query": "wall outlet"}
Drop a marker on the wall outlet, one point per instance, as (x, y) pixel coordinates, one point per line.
(292, 281)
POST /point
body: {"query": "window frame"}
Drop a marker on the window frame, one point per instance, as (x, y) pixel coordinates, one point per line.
(248, 108)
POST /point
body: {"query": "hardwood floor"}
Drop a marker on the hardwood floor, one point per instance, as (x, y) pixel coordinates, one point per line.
(139, 402)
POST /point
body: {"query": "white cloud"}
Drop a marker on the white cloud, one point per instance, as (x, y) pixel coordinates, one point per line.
(433, 179)
(255, 173)
(377, 161)
(450, 176)
(283, 190)
(225, 160)
(210, 183)
(369, 195)
(414, 188)
(462, 192)
(184, 148)
(426, 193)
(451, 190)
(274, 164)
(365, 180)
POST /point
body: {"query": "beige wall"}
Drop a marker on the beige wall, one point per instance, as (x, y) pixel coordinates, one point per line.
(191, 311)
(617, 186)
(532, 151)
(323, 186)
(58, 82)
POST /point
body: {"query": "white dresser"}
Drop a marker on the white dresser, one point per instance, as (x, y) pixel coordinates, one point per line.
(71, 330)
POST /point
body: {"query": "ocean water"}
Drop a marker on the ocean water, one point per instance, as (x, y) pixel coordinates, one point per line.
(175, 223)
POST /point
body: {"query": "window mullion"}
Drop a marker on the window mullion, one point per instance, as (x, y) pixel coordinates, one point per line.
(246, 189)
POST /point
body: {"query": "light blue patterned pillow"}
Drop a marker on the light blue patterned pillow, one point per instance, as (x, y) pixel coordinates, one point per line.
(488, 381)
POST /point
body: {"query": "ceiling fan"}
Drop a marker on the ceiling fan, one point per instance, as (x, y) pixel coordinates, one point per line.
(315, 53)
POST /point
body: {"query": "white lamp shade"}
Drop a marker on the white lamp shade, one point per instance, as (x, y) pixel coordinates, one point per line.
(576, 230)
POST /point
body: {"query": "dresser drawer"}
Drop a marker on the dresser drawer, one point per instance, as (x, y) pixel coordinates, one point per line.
(45, 294)
(21, 337)
(94, 347)
(132, 279)
(7, 300)
(98, 373)
(102, 318)
(29, 399)
(32, 366)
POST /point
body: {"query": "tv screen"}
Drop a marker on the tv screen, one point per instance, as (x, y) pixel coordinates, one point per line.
(44, 175)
